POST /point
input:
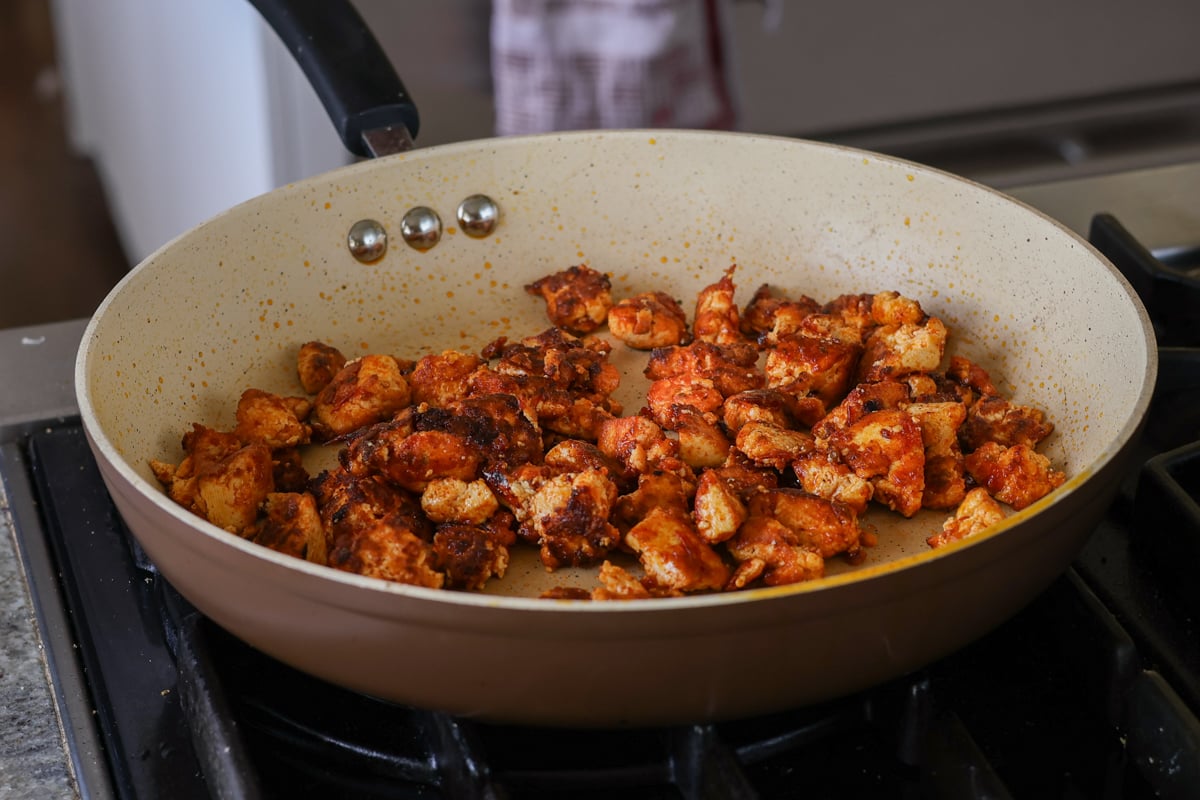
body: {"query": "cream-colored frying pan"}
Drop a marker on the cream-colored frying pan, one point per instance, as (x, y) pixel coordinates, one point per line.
(226, 306)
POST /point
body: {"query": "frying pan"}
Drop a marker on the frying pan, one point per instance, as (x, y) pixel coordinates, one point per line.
(225, 306)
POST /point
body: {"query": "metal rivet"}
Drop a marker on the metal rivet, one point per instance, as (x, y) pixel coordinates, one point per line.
(367, 240)
(478, 215)
(421, 228)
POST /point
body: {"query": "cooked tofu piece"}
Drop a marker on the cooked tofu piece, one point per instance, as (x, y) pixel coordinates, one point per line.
(515, 487)
(1015, 475)
(426, 456)
(583, 366)
(649, 320)
(768, 445)
(968, 374)
(390, 549)
(229, 492)
(892, 308)
(654, 490)
(348, 502)
(572, 593)
(568, 519)
(893, 351)
(496, 425)
(582, 420)
(732, 368)
(945, 482)
(852, 317)
(539, 398)
(831, 326)
(577, 299)
(553, 408)
(939, 424)
(744, 477)
(575, 455)
(745, 573)
(977, 512)
(270, 419)
(449, 442)
(923, 388)
(806, 364)
(887, 449)
(822, 473)
(576, 366)
(443, 378)
(288, 470)
(468, 555)
(453, 500)
(375, 529)
(823, 526)
(694, 392)
(994, 419)
(367, 390)
(718, 509)
(291, 524)
(702, 441)
(807, 409)
(674, 555)
(756, 405)
(616, 583)
(368, 450)
(775, 552)
(204, 448)
(502, 527)
(767, 318)
(639, 444)
(863, 399)
(317, 364)
(716, 318)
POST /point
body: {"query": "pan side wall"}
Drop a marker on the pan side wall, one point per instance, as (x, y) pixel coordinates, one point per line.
(628, 667)
(226, 306)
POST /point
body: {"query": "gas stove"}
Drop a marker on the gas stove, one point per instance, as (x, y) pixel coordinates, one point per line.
(1091, 691)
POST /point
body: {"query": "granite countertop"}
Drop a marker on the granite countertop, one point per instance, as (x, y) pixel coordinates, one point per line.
(32, 761)
(1160, 206)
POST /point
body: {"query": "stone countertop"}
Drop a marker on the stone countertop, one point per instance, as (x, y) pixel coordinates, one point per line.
(36, 384)
(32, 760)
(1160, 206)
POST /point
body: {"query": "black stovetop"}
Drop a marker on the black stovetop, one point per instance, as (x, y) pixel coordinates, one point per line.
(1092, 691)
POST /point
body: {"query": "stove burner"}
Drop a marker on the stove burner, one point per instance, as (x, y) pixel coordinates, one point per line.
(1168, 287)
(1166, 513)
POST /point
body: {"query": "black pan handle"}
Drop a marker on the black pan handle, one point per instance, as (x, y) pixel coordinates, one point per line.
(345, 64)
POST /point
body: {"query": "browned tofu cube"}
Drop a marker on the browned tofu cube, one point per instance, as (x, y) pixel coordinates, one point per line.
(886, 448)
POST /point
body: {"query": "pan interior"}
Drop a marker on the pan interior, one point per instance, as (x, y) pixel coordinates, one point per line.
(226, 306)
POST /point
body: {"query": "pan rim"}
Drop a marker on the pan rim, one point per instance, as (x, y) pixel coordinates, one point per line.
(867, 572)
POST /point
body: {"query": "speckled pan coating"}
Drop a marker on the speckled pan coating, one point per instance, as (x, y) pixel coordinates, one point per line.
(226, 306)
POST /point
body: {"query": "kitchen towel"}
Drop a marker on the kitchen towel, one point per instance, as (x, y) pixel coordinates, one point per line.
(581, 64)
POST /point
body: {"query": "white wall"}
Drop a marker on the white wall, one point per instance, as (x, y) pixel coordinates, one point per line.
(179, 110)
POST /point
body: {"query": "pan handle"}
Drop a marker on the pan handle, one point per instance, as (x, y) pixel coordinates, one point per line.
(372, 111)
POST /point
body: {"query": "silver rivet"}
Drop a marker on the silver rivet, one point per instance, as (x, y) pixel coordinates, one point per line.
(421, 228)
(478, 215)
(367, 240)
